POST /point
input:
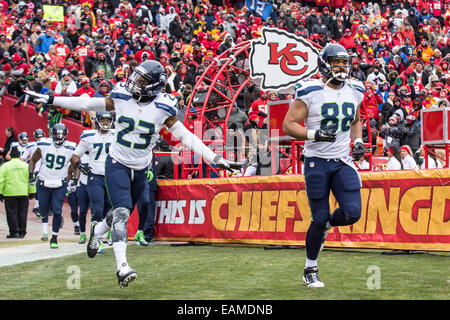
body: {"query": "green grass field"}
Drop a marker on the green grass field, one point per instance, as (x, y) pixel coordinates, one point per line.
(232, 272)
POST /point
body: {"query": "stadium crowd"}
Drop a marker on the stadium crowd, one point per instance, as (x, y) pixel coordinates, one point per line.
(399, 49)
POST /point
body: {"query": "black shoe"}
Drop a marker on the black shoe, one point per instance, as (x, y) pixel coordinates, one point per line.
(12, 236)
(76, 230)
(125, 279)
(22, 235)
(311, 278)
(36, 212)
(92, 245)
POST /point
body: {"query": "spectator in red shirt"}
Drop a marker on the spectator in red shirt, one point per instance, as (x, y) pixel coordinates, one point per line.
(259, 107)
(347, 40)
(372, 100)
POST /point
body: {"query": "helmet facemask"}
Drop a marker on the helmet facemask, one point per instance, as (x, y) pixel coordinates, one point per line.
(58, 137)
(142, 87)
(104, 123)
(339, 68)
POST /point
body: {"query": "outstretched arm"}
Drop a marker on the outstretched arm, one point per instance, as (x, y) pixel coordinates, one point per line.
(191, 141)
(74, 103)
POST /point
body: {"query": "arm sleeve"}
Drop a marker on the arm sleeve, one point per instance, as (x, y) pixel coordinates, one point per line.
(191, 141)
(81, 148)
(80, 103)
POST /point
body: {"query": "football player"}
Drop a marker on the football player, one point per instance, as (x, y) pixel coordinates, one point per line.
(96, 144)
(21, 145)
(38, 134)
(51, 182)
(141, 108)
(330, 108)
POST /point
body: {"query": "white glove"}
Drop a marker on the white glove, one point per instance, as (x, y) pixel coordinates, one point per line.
(39, 98)
(72, 186)
(226, 164)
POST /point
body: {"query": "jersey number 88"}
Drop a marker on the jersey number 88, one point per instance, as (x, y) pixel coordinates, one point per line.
(331, 114)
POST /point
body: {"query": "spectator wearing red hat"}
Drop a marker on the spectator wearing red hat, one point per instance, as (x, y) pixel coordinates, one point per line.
(20, 65)
(347, 40)
(372, 100)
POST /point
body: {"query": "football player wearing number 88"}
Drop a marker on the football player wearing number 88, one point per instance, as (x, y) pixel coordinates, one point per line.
(142, 108)
(330, 108)
(54, 172)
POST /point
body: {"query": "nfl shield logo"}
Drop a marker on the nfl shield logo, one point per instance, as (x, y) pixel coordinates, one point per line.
(311, 164)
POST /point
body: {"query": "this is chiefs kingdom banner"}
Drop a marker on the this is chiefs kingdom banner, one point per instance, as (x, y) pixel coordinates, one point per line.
(405, 210)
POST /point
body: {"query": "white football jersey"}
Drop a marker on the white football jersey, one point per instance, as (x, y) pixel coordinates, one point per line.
(29, 150)
(137, 126)
(83, 178)
(329, 107)
(22, 148)
(55, 161)
(97, 146)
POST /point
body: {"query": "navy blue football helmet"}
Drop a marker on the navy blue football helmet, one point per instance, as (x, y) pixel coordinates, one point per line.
(23, 138)
(329, 56)
(38, 134)
(147, 81)
(59, 134)
(101, 115)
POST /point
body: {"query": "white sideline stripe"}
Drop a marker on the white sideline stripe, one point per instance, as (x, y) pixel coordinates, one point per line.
(41, 251)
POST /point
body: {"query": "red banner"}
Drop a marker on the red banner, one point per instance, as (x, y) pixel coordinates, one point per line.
(405, 210)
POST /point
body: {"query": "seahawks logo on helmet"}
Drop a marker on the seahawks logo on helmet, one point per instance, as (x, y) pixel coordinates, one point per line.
(147, 81)
(59, 134)
(329, 56)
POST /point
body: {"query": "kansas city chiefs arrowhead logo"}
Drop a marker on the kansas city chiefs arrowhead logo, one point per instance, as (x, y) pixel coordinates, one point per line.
(281, 59)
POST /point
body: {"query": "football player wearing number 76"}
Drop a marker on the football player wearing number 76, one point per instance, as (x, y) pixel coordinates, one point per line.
(141, 108)
(330, 108)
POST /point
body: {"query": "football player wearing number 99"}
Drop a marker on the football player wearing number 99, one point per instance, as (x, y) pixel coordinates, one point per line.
(330, 108)
(142, 108)
(54, 172)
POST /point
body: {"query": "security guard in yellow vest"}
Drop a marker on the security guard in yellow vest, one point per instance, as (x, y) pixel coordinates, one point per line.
(16, 191)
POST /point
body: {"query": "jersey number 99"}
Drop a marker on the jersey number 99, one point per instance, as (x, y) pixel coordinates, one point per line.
(55, 162)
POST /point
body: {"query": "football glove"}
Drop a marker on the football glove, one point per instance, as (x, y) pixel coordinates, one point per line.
(31, 178)
(72, 186)
(85, 169)
(358, 151)
(327, 134)
(226, 164)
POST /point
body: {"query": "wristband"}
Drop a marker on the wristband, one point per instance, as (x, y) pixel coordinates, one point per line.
(358, 140)
(311, 135)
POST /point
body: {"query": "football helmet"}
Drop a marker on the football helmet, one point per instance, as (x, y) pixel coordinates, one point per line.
(101, 115)
(23, 138)
(59, 134)
(38, 134)
(331, 57)
(147, 81)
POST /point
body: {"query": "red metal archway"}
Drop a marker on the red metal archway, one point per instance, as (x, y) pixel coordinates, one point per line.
(215, 92)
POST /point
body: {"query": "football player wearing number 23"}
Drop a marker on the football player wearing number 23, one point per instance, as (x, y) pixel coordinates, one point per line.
(329, 107)
(141, 108)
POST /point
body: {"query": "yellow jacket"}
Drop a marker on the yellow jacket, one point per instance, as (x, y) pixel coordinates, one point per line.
(14, 179)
